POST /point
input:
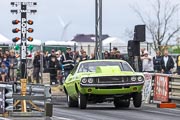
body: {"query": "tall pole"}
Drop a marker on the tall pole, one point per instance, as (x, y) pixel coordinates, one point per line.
(23, 40)
(98, 29)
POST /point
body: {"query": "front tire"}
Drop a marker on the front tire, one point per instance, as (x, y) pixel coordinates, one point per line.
(82, 101)
(71, 102)
(137, 99)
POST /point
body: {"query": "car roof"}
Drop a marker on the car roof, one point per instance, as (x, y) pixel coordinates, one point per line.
(110, 60)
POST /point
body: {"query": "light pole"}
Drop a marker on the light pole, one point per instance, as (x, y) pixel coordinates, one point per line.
(98, 29)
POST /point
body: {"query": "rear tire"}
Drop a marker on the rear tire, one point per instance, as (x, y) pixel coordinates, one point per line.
(82, 101)
(71, 102)
(118, 103)
(137, 99)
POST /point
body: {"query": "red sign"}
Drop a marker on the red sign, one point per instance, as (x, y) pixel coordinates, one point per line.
(161, 91)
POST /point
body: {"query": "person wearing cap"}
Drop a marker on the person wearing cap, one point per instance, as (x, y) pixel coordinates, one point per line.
(67, 62)
(147, 62)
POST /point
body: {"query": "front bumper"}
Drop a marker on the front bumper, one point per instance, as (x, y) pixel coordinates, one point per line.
(110, 89)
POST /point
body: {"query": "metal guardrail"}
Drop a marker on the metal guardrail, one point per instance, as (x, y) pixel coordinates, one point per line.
(37, 98)
(174, 86)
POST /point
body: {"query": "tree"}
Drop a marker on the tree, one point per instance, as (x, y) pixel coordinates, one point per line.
(160, 24)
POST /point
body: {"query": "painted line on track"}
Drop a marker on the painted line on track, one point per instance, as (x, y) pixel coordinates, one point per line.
(61, 118)
(161, 112)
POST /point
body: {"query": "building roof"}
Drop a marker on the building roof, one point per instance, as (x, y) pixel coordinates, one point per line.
(87, 38)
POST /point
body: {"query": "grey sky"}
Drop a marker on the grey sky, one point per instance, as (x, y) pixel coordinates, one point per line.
(117, 16)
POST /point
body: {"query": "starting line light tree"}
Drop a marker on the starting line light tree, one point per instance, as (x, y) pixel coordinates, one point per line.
(24, 24)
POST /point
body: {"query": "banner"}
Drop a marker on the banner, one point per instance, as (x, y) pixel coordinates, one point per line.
(161, 91)
(147, 87)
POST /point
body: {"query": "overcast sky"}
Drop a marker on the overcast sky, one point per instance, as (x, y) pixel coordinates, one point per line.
(80, 14)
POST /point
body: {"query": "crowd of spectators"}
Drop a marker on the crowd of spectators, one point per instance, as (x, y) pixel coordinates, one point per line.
(159, 63)
(56, 61)
(9, 64)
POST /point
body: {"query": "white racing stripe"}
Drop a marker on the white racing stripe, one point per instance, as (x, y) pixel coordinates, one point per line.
(61, 118)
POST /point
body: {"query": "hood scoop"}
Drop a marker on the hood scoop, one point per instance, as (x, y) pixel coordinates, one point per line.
(108, 69)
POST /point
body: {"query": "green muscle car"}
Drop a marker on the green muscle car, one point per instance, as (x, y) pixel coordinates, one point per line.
(96, 81)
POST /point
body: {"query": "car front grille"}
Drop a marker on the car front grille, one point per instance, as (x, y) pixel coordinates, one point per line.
(113, 80)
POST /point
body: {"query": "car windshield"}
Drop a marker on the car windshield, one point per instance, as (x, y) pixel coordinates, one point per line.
(91, 66)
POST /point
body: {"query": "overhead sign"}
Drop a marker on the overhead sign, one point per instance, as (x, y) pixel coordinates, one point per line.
(161, 91)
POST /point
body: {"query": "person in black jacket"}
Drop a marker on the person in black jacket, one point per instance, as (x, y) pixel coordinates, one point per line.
(54, 67)
(167, 63)
(157, 62)
(67, 62)
(36, 65)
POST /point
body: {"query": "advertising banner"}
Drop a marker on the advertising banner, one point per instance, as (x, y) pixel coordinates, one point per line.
(147, 87)
(161, 91)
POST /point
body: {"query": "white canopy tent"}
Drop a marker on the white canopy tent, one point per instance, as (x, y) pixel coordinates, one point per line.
(60, 43)
(5, 40)
(115, 42)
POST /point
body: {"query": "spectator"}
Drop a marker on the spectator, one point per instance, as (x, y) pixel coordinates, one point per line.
(58, 55)
(92, 56)
(5, 60)
(157, 62)
(1, 55)
(76, 57)
(84, 56)
(36, 65)
(147, 62)
(3, 72)
(13, 65)
(67, 62)
(140, 61)
(106, 55)
(119, 56)
(113, 54)
(142, 51)
(7, 53)
(167, 63)
(1, 58)
(45, 62)
(54, 67)
(178, 64)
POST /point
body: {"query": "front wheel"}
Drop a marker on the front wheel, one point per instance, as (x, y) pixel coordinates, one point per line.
(137, 99)
(71, 102)
(82, 101)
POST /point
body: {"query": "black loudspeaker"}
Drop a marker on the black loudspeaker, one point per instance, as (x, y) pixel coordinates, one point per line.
(133, 48)
(140, 33)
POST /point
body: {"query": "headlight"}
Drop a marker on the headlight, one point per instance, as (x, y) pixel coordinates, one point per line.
(133, 79)
(140, 78)
(84, 80)
(90, 80)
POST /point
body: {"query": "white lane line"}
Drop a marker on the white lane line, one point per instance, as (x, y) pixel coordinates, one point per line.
(1, 118)
(159, 112)
(61, 118)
